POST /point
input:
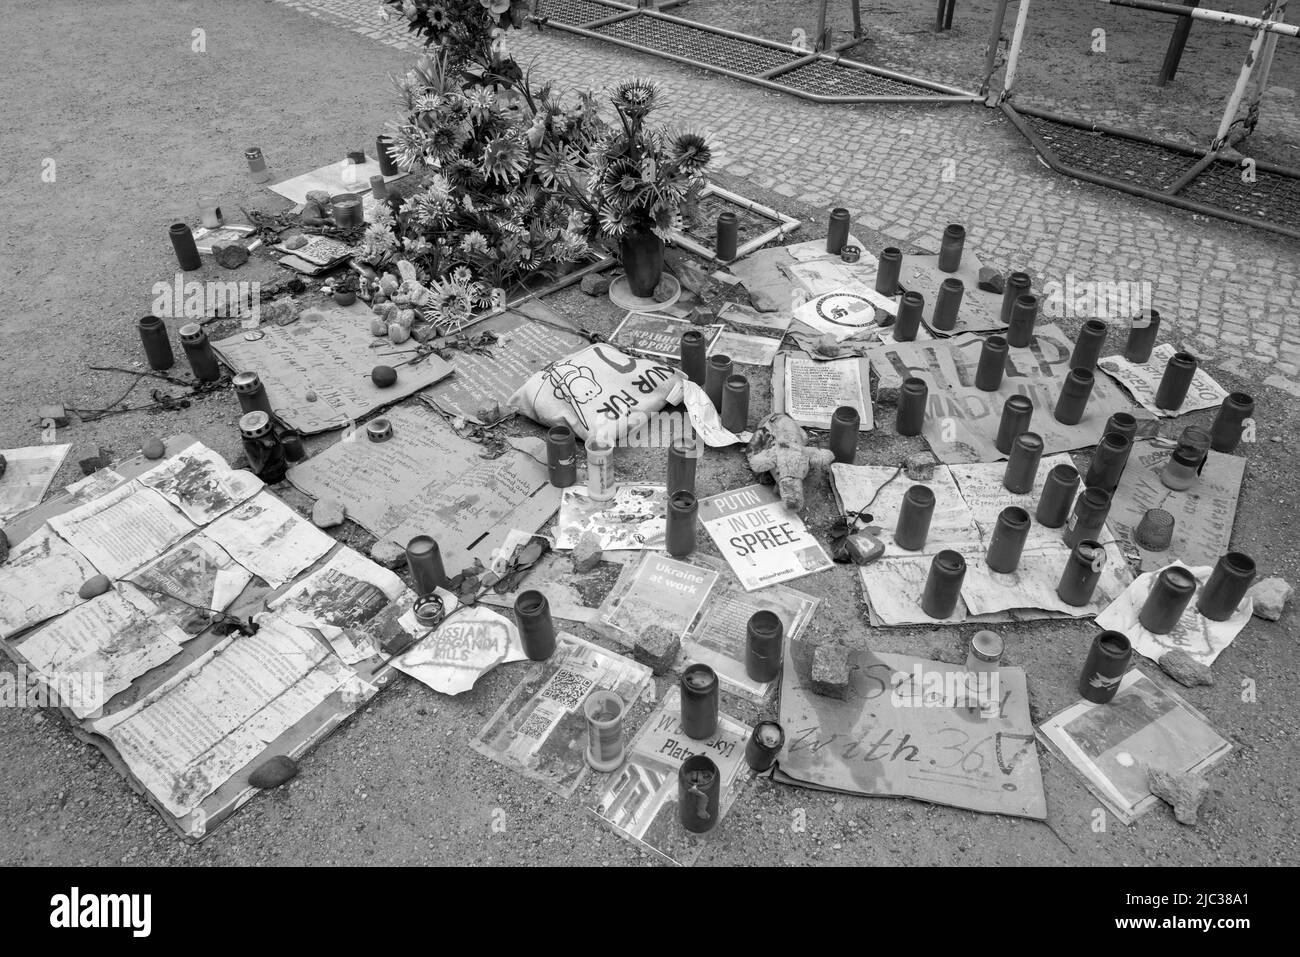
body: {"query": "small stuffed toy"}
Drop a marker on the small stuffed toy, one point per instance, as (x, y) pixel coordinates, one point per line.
(318, 211)
(779, 447)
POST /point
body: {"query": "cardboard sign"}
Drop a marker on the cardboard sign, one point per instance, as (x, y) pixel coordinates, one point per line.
(893, 738)
(980, 311)
(1203, 515)
(426, 480)
(762, 540)
(327, 355)
(961, 421)
(1143, 382)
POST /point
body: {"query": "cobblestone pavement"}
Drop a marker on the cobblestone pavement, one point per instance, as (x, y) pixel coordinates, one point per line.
(1224, 291)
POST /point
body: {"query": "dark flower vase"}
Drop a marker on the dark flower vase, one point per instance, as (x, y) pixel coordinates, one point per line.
(642, 253)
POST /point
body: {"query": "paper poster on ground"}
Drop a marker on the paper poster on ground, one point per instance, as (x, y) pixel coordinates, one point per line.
(842, 313)
(28, 473)
(40, 580)
(426, 480)
(763, 540)
(810, 391)
(123, 529)
(745, 350)
(212, 719)
(742, 315)
(1195, 634)
(640, 799)
(471, 642)
(1203, 514)
(1143, 381)
(632, 520)
(887, 741)
(657, 336)
(317, 370)
(194, 575)
(1114, 746)
(705, 418)
(199, 482)
(540, 730)
(270, 539)
(961, 421)
(112, 637)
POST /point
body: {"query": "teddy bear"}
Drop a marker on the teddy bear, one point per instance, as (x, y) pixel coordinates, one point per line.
(779, 447)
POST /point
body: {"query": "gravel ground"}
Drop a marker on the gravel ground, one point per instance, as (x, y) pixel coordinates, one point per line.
(398, 784)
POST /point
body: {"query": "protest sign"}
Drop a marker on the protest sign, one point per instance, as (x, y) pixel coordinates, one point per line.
(762, 539)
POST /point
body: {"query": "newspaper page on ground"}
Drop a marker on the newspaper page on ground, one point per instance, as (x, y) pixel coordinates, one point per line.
(640, 799)
(199, 482)
(961, 421)
(40, 580)
(1114, 746)
(887, 741)
(270, 539)
(27, 475)
(634, 519)
(195, 575)
(426, 480)
(1203, 514)
(339, 599)
(540, 730)
(317, 370)
(114, 635)
(122, 530)
(207, 722)
(763, 540)
(1143, 381)
(810, 391)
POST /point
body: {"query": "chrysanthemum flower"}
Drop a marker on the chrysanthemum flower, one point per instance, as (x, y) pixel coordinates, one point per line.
(503, 159)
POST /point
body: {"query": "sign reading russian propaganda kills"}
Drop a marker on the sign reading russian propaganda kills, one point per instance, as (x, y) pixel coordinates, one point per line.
(764, 541)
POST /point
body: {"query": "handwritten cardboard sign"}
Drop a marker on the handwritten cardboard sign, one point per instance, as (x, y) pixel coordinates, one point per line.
(1203, 515)
(980, 311)
(891, 737)
(1143, 381)
(426, 480)
(961, 421)
(317, 370)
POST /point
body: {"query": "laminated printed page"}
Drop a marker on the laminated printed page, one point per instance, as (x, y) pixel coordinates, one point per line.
(762, 539)
(199, 482)
(124, 529)
(190, 735)
(540, 731)
(270, 539)
(655, 592)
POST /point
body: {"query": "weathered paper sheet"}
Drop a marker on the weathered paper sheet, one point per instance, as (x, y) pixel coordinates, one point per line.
(210, 720)
(844, 312)
(317, 370)
(745, 350)
(883, 741)
(487, 380)
(270, 539)
(1203, 515)
(1195, 634)
(633, 520)
(705, 419)
(40, 580)
(333, 178)
(339, 599)
(199, 482)
(961, 421)
(27, 475)
(540, 731)
(194, 575)
(742, 315)
(113, 636)
(426, 480)
(1143, 381)
(471, 642)
(639, 800)
(655, 335)
(810, 391)
(122, 530)
(1114, 746)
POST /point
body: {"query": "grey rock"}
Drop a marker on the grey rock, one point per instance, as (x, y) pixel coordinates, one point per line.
(94, 586)
(1270, 596)
(663, 290)
(4, 464)
(230, 255)
(657, 647)
(154, 448)
(690, 275)
(830, 671)
(1185, 669)
(274, 772)
(389, 554)
(4, 547)
(990, 280)
(595, 284)
(864, 548)
(587, 554)
(763, 302)
(804, 647)
(327, 513)
(1183, 792)
(920, 466)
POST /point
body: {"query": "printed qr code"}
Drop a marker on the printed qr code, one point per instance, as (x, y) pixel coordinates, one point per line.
(536, 726)
(568, 688)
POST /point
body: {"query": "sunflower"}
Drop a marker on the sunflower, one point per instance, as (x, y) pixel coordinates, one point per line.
(636, 97)
(439, 19)
(503, 159)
